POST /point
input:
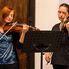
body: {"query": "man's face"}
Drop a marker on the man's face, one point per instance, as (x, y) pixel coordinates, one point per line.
(62, 13)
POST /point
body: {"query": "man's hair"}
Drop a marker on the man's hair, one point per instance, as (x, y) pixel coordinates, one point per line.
(65, 5)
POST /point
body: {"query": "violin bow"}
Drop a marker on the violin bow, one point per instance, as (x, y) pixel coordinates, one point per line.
(7, 31)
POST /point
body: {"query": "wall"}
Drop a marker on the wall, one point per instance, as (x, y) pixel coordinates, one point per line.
(45, 17)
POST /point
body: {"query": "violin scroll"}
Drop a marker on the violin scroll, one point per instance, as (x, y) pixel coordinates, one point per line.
(36, 29)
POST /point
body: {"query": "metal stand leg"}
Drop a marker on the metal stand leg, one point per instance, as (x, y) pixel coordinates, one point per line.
(42, 58)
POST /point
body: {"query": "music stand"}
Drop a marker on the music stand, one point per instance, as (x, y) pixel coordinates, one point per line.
(42, 41)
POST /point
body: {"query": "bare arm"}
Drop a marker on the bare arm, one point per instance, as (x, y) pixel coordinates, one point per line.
(25, 29)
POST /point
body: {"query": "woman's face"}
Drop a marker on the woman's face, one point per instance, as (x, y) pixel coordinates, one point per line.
(9, 18)
(62, 13)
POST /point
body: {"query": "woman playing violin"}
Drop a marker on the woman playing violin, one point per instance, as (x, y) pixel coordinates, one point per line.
(60, 59)
(9, 42)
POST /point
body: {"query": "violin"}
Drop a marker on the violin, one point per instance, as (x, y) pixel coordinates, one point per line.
(17, 27)
(66, 20)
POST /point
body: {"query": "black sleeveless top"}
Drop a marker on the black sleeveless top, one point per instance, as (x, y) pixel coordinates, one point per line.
(62, 56)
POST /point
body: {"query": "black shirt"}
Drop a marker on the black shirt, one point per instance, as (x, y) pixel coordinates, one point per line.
(62, 56)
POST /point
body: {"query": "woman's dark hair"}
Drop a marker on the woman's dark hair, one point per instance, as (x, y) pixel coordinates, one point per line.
(65, 5)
